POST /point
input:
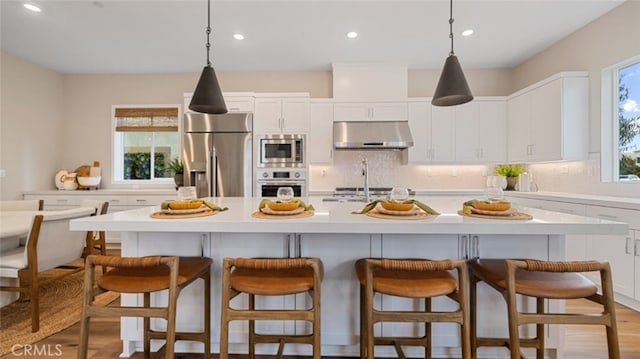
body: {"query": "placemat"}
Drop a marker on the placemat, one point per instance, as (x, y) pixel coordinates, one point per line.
(376, 214)
(516, 216)
(208, 212)
(258, 214)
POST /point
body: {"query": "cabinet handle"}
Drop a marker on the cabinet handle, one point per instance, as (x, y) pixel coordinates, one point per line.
(627, 245)
(62, 200)
(234, 109)
(141, 200)
(114, 200)
(637, 248)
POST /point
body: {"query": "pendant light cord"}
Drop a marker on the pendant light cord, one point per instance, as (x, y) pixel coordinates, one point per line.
(451, 26)
(209, 30)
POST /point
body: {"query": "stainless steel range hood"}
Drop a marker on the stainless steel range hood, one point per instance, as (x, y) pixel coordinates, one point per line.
(385, 135)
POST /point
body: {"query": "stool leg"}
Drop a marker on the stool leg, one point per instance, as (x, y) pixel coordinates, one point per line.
(146, 327)
(207, 314)
(427, 330)
(316, 323)
(473, 282)
(369, 321)
(609, 307)
(540, 330)
(512, 314)
(171, 322)
(83, 346)
(252, 328)
(363, 327)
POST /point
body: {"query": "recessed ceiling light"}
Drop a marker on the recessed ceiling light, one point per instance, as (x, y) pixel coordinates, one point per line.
(238, 36)
(352, 34)
(467, 32)
(32, 7)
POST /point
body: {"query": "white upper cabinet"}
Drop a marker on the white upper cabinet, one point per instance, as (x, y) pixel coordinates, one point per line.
(285, 113)
(239, 101)
(469, 133)
(480, 133)
(549, 120)
(369, 111)
(320, 138)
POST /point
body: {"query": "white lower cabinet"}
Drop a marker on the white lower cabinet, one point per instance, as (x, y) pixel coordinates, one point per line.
(233, 245)
(636, 253)
(340, 289)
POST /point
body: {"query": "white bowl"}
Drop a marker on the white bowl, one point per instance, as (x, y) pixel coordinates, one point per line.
(89, 181)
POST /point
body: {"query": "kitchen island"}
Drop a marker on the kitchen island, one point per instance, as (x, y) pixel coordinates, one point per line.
(339, 238)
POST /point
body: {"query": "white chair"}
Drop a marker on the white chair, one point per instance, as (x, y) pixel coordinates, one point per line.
(50, 244)
(26, 205)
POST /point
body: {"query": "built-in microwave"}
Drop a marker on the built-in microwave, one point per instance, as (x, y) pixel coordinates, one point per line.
(281, 150)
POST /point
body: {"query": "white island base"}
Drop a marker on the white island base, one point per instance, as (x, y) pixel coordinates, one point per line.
(339, 238)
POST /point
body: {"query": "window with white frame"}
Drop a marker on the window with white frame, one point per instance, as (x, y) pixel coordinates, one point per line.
(621, 122)
(145, 141)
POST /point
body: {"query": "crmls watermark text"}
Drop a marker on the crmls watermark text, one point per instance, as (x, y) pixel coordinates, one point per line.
(28, 350)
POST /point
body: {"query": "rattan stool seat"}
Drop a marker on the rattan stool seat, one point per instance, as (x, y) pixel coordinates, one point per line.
(272, 282)
(410, 278)
(271, 277)
(146, 275)
(542, 280)
(535, 284)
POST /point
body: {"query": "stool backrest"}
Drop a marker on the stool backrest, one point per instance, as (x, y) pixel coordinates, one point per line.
(26, 205)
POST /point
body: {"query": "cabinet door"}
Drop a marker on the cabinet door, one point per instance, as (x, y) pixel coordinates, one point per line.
(353, 111)
(636, 253)
(429, 247)
(616, 249)
(295, 115)
(267, 117)
(545, 126)
(233, 245)
(419, 116)
(492, 130)
(340, 288)
(442, 134)
(518, 136)
(466, 132)
(388, 111)
(239, 103)
(320, 144)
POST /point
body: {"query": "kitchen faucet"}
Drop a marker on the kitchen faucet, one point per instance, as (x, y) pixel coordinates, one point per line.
(365, 173)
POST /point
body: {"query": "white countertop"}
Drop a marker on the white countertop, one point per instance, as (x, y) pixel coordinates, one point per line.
(336, 217)
(589, 199)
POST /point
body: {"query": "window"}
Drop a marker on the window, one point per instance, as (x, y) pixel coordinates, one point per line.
(145, 140)
(621, 122)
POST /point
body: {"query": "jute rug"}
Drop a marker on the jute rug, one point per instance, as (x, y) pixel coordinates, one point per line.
(60, 308)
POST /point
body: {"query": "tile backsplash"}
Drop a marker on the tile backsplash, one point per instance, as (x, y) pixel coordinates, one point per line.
(386, 170)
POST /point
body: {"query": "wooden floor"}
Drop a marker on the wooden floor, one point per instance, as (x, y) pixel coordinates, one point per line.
(582, 342)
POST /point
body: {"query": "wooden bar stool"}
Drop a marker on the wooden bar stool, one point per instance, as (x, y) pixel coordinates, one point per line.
(270, 277)
(146, 275)
(411, 278)
(542, 280)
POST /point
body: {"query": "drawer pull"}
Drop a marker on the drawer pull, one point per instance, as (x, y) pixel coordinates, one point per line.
(62, 200)
(637, 248)
(607, 216)
(627, 245)
(141, 200)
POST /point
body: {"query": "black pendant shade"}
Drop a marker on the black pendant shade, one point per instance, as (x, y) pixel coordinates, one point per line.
(207, 98)
(452, 87)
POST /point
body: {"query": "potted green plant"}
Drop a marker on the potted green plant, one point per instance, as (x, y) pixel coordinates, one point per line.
(178, 171)
(511, 172)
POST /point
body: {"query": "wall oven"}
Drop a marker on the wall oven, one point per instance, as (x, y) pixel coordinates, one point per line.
(269, 180)
(281, 150)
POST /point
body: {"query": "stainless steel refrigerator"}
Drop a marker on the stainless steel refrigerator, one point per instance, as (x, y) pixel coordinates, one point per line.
(218, 154)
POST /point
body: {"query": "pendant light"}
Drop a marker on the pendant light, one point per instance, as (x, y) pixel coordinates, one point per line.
(207, 98)
(452, 87)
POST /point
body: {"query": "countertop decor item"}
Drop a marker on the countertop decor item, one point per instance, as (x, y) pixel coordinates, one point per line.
(207, 97)
(452, 88)
(177, 167)
(511, 172)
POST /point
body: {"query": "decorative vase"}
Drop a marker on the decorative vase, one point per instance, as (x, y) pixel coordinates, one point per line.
(178, 178)
(511, 183)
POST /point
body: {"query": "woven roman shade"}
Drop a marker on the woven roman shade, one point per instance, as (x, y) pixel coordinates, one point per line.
(153, 119)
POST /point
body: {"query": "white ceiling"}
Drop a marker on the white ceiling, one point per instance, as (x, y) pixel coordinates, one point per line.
(150, 36)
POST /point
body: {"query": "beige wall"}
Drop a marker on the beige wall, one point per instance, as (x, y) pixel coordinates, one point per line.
(31, 126)
(604, 42)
